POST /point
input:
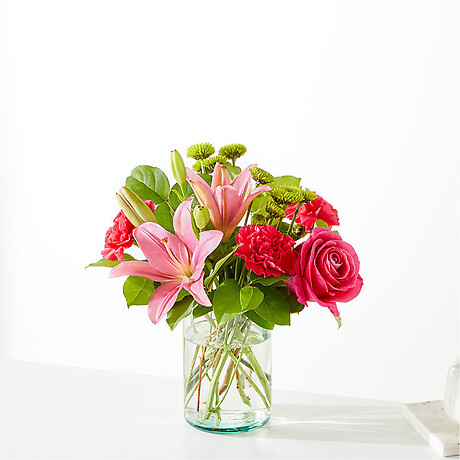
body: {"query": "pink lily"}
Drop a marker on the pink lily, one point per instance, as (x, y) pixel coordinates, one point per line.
(175, 260)
(226, 200)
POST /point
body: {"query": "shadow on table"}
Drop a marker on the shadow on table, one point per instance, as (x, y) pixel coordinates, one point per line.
(359, 424)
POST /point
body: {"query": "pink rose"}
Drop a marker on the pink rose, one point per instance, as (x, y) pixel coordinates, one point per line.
(310, 212)
(326, 271)
(120, 236)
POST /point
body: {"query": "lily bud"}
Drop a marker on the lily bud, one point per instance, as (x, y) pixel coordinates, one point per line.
(201, 216)
(178, 168)
(134, 208)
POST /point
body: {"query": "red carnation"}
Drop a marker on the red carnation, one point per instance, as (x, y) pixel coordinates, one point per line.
(120, 236)
(265, 250)
(310, 212)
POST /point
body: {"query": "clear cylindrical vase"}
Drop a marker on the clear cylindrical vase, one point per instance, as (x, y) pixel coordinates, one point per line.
(227, 374)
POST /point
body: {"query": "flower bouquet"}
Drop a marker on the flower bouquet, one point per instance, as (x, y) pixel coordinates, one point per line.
(231, 253)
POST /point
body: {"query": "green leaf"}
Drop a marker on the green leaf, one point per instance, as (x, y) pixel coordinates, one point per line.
(233, 171)
(321, 223)
(274, 307)
(285, 180)
(294, 306)
(339, 321)
(138, 290)
(218, 266)
(206, 177)
(175, 196)
(226, 303)
(201, 310)
(259, 202)
(254, 317)
(109, 263)
(179, 311)
(182, 293)
(149, 183)
(270, 280)
(164, 215)
(250, 298)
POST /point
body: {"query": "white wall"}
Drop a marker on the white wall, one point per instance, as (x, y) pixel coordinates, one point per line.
(358, 98)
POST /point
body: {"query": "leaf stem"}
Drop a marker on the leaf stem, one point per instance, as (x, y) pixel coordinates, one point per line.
(299, 205)
(253, 384)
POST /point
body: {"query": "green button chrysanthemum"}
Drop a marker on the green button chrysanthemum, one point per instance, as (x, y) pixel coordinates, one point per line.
(200, 151)
(287, 194)
(260, 176)
(233, 151)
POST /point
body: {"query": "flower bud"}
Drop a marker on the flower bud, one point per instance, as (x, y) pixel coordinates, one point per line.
(134, 208)
(201, 216)
(178, 168)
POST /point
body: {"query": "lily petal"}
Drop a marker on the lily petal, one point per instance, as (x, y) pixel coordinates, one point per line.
(220, 177)
(182, 222)
(242, 181)
(138, 268)
(208, 242)
(229, 203)
(157, 243)
(203, 192)
(198, 292)
(163, 299)
(243, 208)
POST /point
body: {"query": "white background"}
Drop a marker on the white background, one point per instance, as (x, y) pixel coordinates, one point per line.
(358, 98)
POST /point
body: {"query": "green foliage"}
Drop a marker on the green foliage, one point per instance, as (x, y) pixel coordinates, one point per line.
(164, 215)
(270, 280)
(201, 310)
(175, 196)
(274, 308)
(250, 297)
(180, 310)
(339, 321)
(219, 264)
(231, 300)
(258, 219)
(233, 171)
(253, 316)
(284, 181)
(294, 306)
(138, 290)
(226, 304)
(259, 203)
(321, 223)
(109, 263)
(149, 183)
(206, 177)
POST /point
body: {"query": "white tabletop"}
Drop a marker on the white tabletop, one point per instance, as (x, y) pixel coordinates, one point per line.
(62, 412)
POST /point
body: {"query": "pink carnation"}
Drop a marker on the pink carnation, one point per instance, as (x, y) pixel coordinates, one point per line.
(310, 212)
(120, 236)
(265, 250)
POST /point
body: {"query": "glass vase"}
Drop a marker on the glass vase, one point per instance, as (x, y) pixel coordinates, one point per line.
(227, 374)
